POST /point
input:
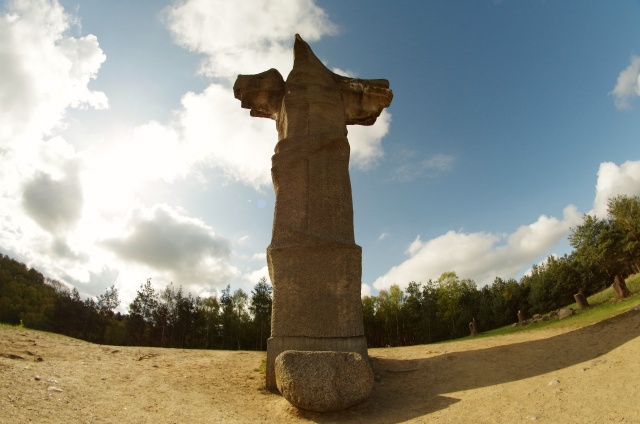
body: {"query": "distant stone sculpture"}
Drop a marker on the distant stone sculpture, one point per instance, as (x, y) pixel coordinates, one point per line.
(566, 313)
(620, 287)
(581, 299)
(314, 264)
(323, 381)
(473, 327)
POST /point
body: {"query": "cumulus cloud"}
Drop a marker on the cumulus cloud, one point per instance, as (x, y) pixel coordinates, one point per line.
(366, 142)
(480, 256)
(55, 204)
(44, 70)
(254, 276)
(211, 129)
(614, 180)
(57, 201)
(220, 133)
(628, 85)
(484, 256)
(162, 238)
(244, 37)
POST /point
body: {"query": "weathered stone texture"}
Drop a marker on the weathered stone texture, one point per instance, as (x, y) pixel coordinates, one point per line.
(323, 381)
(314, 263)
(276, 345)
(565, 313)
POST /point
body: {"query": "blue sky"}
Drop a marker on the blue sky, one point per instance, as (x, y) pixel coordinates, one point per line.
(125, 156)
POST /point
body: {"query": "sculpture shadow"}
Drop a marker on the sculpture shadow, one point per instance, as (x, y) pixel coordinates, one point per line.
(411, 388)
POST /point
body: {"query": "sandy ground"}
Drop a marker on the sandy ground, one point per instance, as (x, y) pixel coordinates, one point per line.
(576, 375)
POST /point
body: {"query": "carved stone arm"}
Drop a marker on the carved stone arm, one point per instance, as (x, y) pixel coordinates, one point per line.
(364, 99)
(262, 93)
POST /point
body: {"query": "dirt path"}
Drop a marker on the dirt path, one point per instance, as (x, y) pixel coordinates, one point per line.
(582, 375)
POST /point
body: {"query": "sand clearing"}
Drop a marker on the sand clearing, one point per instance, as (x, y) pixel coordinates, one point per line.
(576, 375)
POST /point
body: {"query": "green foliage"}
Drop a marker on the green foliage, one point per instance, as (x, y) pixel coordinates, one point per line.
(605, 248)
(164, 318)
(24, 295)
(260, 308)
(624, 212)
(603, 310)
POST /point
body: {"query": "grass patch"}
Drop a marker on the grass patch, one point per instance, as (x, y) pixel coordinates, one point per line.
(608, 295)
(262, 369)
(603, 305)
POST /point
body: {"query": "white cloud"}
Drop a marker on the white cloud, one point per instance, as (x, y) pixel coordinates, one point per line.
(480, 256)
(162, 238)
(76, 215)
(383, 236)
(628, 84)
(219, 133)
(43, 70)
(245, 37)
(366, 142)
(484, 256)
(254, 276)
(411, 169)
(614, 180)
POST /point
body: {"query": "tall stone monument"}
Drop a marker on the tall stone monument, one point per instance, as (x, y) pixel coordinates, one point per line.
(314, 263)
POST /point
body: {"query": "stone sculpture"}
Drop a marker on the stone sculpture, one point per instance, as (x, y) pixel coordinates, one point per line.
(314, 263)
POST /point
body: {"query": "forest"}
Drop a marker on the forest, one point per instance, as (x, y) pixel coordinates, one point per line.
(422, 313)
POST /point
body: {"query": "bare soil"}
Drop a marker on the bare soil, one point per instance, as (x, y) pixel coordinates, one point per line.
(587, 374)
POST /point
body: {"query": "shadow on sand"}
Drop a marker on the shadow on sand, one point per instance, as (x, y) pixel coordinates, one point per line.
(412, 388)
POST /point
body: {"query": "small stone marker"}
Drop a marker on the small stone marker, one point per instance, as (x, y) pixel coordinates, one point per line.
(581, 299)
(473, 327)
(620, 287)
(565, 313)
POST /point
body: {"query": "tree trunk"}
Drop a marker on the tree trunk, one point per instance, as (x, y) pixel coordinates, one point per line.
(581, 300)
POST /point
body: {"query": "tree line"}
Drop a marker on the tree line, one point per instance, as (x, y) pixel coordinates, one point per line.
(163, 318)
(422, 313)
(443, 309)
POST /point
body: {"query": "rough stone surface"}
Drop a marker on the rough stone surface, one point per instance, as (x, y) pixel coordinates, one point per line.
(314, 264)
(323, 381)
(565, 313)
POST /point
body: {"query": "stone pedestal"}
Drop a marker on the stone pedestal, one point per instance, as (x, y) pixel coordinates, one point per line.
(277, 345)
(316, 301)
(323, 381)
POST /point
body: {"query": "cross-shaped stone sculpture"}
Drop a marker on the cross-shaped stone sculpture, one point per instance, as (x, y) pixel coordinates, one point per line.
(314, 264)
